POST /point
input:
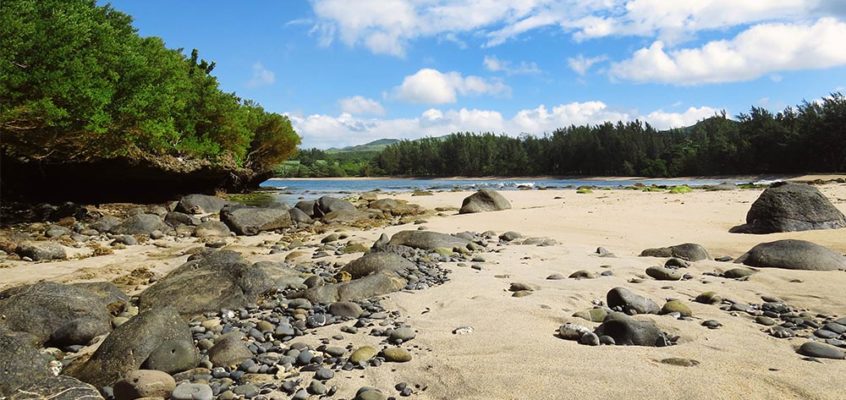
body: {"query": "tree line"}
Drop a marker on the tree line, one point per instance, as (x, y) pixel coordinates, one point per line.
(810, 137)
(78, 83)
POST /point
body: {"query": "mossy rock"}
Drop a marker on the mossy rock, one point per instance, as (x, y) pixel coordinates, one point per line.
(680, 189)
(653, 189)
(355, 248)
(709, 298)
(255, 199)
(593, 314)
(363, 354)
(584, 190)
(445, 252)
(396, 354)
(676, 306)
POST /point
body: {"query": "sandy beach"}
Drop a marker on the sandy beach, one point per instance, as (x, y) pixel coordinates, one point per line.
(513, 351)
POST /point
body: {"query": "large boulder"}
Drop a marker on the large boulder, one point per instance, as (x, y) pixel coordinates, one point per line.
(140, 224)
(630, 302)
(307, 207)
(427, 240)
(356, 289)
(176, 218)
(221, 279)
(484, 200)
(686, 251)
(789, 207)
(57, 388)
(131, 345)
(200, 204)
(327, 204)
(793, 254)
(212, 229)
(252, 220)
(56, 314)
(105, 223)
(20, 364)
(377, 263)
(41, 251)
(299, 216)
(629, 331)
(229, 350)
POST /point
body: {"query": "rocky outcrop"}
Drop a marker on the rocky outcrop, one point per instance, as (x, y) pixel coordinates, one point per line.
(793, 254)
(789, 207)
(484, 200)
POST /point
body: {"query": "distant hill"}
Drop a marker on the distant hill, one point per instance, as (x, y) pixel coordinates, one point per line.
(376, 145)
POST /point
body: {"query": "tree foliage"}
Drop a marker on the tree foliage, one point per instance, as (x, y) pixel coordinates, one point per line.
(77, 82)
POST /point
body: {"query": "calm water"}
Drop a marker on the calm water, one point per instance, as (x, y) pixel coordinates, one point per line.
(291, 190)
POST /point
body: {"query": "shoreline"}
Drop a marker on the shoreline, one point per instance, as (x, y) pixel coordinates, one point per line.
(745, 178)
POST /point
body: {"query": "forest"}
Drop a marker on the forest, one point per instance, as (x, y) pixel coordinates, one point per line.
(810, 137)
(78, 83)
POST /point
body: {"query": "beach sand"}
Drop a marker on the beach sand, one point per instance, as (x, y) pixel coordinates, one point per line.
(513, 352)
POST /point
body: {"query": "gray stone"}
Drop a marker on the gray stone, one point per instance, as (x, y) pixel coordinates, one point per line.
(299, 216)
(373, 263)
(737, 273)
(144, 383)
(629, 301)
(200, 204)
(56, 388)
(821, 350)
(41, 251)
(590, 339)
(664, 274)
(20, 364)
(307, 207)
(105, 223)
(345, 309)
(192, 391)
(789, 207)
(628, 331)
(686, 251)
(252, 220)
(211, 229)
(484, 200)
(175, 218)
(172, 356)
(402, 335)
(140, 224)
(793, 254)
(427, 240)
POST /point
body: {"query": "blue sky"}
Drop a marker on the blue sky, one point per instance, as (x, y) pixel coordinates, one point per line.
(348, 72)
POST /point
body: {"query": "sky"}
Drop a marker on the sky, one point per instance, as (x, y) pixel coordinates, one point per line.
(348, 72)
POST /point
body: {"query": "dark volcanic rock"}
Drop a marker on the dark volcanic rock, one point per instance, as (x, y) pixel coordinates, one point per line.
(427, 240)
(55, 313)
(221, 279)
(141, 224)
(788, 207)
(686, 251)
(252, 220)
(299, 216)
(42, 251)
(57, 388)
(306, 206)
(200, 204)
(20, 364)
(793, 254)
(377, 263)
(628, 331)
(484, 200)
(821, 350)
(629, 301)
(131, 344)
(175, 218)
(212, 229)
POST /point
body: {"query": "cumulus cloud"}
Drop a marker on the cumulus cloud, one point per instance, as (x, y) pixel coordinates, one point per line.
(757, 51)
(430, 86)
(494, 64)
(582, 64)
(333, 131)
(361, 105)
(261, 76)
(388, 26)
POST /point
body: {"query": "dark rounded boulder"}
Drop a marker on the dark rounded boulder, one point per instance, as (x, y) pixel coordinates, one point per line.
(628, 301)
(252, 220)
(140, 224)
(484, 200)
(200, 204)
(793, 254)
(306, 206)
(626, 330)
(20, 364)
(299, 216)
(685, 251)
(41, 251)
(131, 344)
(790, 207)
(426, 240)
(377, 263)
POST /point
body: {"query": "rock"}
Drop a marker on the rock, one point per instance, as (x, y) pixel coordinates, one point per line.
(676, 306)
(664, 274)
(676, 263)
(345, 309)
(105, 223)
(680, 362)
(200, 204)
(396, 354)
(484, 200)
(709, 298)
(175, 218)
(144, 383)
(56, 388)
(583, 274)
(790, 207)
(229, 350)
(357, 289)
(395, 207)
(737, 273)
(41, 251)
(363, 354)
(519, 287)
(711, 324)
(373, 263)
(127, 240)
(593, 314)
(172, 356)
(628, 331)
(316, 388)
(367, 393)
(401, 335)
(140, 224)
(555, 277)
(220, 279)
(510, 236)
(629, 301)
(793, 254)
(299, 216)
(212, 229)
(764, 320)
(571, 331)
(329, 204)
(590, 339)
(821, 350)
(427, 240)
(131, 344)
(252, 220)
(20, 364)
(192, 391)
(56, 314)
(686, 251)
(307, 207)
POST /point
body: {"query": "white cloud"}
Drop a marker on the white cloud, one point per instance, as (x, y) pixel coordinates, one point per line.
(755, 52)
(582, 64)
(430, 86)
(361, 105)
(388, 26)
(328, 131)
(494, 64)
(261, 76)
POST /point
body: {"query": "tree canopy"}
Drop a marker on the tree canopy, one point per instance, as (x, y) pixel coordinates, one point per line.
(77, 82)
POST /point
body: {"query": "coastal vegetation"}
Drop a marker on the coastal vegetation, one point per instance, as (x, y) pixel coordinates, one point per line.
(808, 137)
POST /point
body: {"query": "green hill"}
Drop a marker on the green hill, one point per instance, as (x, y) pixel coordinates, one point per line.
(376, 145)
